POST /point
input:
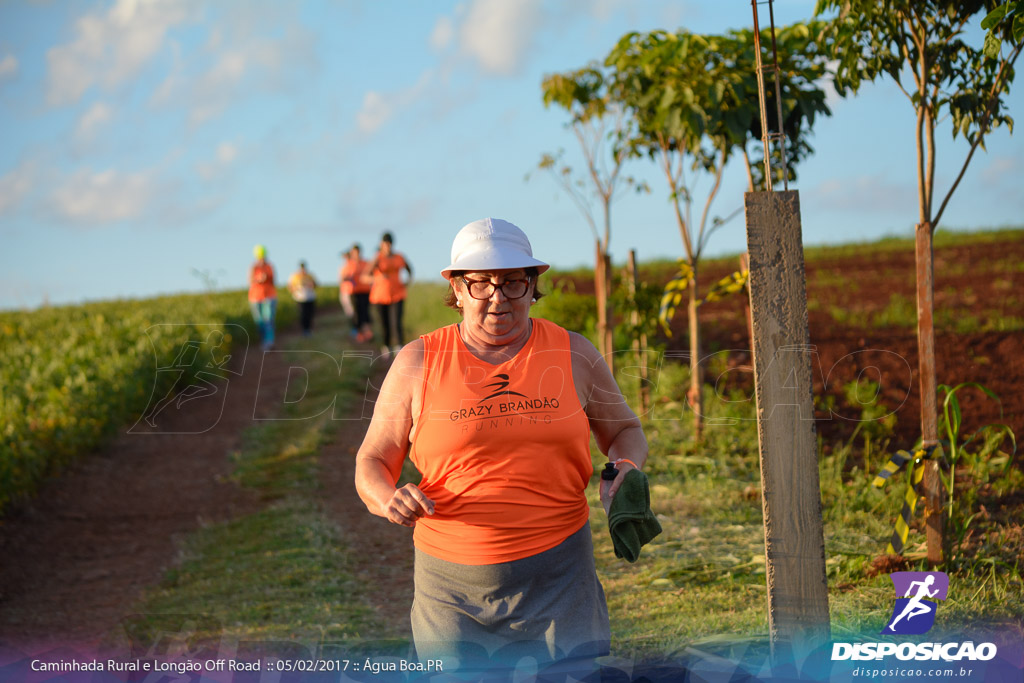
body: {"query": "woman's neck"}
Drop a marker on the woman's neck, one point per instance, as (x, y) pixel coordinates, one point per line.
(493, 351)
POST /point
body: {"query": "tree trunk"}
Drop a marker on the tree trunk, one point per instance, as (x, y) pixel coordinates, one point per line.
(934, 512)
(609, 314)
(602, 292)
(639, 338)
(695, 395)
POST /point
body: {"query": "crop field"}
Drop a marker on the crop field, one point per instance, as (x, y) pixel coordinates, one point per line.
(250, 531)
(862, 317)
(72, 374)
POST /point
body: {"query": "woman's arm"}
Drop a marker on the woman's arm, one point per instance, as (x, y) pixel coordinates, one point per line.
(615, 426)
(380, 457)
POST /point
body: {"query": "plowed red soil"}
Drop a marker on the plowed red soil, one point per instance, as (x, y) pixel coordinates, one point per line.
(856, 289)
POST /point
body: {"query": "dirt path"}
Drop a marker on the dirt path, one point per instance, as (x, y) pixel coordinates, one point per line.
(79, 555)
(384, 550)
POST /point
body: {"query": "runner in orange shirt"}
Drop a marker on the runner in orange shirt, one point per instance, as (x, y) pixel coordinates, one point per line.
(388, 293)
(356, 282)
(263, 295)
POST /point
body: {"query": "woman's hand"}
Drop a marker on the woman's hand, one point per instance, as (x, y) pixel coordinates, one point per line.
(407, 505)
(607, 493)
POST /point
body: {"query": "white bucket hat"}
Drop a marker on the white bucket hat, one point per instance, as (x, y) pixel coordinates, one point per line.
(492, 244)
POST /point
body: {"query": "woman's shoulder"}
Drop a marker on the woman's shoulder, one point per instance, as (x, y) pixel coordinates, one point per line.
(407, 367)
(411, 354)
(582, 348)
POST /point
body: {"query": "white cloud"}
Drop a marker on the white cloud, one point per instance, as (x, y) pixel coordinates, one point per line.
(865, 193)
(224, 156)
(1001, 169)
(110, 49)
(259, 50)
(443, 33)
(228, 71)
(378, 108)
(102, 197)
(218, 88)
(495, 35)
(95, 117)
(600, 10)
(226, 153)
(8, 67)
(15, 185)
(499, 34)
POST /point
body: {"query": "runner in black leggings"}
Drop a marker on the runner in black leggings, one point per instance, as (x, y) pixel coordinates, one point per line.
(388, 293)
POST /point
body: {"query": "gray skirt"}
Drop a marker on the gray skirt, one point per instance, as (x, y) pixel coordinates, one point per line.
(548, 607)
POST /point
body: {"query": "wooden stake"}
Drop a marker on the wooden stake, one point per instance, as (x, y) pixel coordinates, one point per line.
(791, 495)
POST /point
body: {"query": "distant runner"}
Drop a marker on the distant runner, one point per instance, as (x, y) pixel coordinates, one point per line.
(263, 295)
(303, 289)
(388, 293)
(355, 284)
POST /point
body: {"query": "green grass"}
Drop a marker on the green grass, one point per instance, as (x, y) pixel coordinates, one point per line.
(424, 310)
(704, 577)
(278, 574)
(832, 278)
(942, 238)
(662, 269)
(901, 313)
(282, 573)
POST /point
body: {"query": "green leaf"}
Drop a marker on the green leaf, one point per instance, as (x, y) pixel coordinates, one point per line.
(992, 46)
(993, 17)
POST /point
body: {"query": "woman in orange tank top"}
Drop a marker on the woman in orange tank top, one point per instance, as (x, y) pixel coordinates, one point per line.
(355, 282)
(496, 412)
(388, 293)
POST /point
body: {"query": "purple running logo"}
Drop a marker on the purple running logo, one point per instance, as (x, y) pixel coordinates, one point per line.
(916, 592)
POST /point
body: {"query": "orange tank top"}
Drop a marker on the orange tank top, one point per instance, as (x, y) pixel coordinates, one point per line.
(352, 276)
(504, 450)
(387, 281)
(261, 282)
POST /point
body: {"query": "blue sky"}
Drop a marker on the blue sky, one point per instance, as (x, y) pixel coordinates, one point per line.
(146, 140)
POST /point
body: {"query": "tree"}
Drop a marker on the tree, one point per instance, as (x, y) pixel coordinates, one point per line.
(598, 125)
(694, 101)
(922, 46)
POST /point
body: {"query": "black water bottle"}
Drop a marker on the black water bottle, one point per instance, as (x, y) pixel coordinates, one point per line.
(608, 475)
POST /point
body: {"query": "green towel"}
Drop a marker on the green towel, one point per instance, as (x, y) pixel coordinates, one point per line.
(630, 520)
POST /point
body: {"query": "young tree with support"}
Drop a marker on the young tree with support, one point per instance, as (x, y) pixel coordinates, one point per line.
(694, 101)
(923, 46)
